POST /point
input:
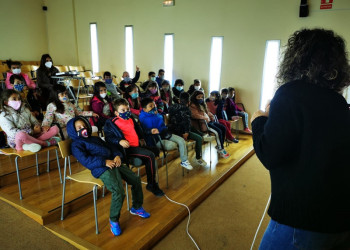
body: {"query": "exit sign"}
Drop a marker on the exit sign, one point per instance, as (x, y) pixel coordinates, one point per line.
(326, 4)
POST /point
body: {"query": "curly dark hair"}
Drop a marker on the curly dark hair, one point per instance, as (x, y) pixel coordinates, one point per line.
(317, 56)
(53, 98)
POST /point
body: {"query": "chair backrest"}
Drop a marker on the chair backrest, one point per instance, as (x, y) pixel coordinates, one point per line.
(76, 68)
(62, 68)
(166, 119)
(64, 147)
(86, 74)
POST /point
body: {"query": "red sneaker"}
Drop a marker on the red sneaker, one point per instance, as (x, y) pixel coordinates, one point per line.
(247, 130)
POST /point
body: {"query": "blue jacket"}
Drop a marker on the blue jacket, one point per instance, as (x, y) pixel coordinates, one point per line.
(91, 152)
(148, 122)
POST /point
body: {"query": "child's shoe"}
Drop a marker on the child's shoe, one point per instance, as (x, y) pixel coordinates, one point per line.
(115, 228)
(33, 147)
(200, 162)
(207, 137)
(186, 164)
(155, 189)
(53, 141)
(247, 130)
(223, 153)
(233, 140)
(140, 212)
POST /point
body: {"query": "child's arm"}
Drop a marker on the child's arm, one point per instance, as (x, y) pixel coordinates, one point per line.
(32, 119)
(196, 114)
(78, 112)
(110, 135)
(49, 116)
(83, 155)
(8, 126)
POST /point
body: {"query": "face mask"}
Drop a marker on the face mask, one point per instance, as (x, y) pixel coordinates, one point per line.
(126, 85)
(166, 89)
(14, 104)
(134, 95)
(63, 99)
(16, 71)
(48, 64)
(126, 115)
(19, 87)
(179, 88)
(223, 96)
(212, 98)
(83, 133)
(161, 77)
(103, 95)
(197, 87)
(109, 81)
(153, 111)
(127, 79)
(153, 78)
(200, 101)
(153, 91)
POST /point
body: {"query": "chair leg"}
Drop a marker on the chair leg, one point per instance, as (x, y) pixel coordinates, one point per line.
(94, 191)
(237, 132)
(70, 170)
(58, 165)
(48, 161)
(64, 187)
(166, 168)
(127, 196)
(103, 191)
(18, 179)
(210, 152)
(138, 171)
(156, 166)
(37, 164)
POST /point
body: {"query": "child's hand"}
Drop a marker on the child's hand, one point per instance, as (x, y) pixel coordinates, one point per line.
(95, 115)
(124, 143)
(37, 129)
(154, 131)
(185, 135)
(142, 143)
(137, 68)
(117, 161)
(45, 128)
(110, 163)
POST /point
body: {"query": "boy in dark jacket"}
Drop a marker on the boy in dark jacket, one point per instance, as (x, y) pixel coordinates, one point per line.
(123, 131)
(180, 124)
(105, 163)
(153, 124)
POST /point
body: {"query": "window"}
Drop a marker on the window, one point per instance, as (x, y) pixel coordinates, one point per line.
(269, 82)
(94, 47)
(215, 63)
(168, 57)
(129, 50)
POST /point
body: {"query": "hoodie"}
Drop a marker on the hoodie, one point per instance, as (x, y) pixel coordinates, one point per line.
(91, 152)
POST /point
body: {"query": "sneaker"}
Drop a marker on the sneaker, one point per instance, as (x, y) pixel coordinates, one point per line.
(186, 164)
(53, 141)
(207, 137)
(233, 140)
(200, 162)
(115, 228)
(155, 189)
(235, 118)
(223, 153)
(140, 212)
(33, 147)
(247, 130)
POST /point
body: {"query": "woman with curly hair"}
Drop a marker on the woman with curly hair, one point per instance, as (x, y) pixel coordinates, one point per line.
(296, 141)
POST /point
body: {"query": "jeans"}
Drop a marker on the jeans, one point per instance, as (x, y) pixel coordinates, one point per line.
(199, 142)
(244, 116)
(278, 236)
(220, 133)
(171, 143)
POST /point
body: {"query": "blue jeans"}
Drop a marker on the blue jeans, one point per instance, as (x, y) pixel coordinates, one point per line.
(278, 236)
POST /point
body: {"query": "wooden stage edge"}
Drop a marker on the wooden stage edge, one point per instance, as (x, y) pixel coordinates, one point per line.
(211, 187)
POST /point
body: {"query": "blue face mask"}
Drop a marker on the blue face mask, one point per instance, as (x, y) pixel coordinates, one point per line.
(134, 95)
(19, 87)
(200, 101)
(126, 115)
(109, 81)
(179, 88)
(153, 111)
(127, 79)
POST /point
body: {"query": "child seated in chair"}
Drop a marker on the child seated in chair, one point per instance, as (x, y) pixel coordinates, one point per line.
(124, 132)
(153, 124)
(105, 162)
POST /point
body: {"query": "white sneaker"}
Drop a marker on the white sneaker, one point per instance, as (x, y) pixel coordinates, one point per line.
(187, 165)
(207, 137)
(200, 162)
(33, 147)
(223, 153)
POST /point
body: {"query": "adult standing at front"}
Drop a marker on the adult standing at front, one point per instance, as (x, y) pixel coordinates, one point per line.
(303, 140)
(43, 78)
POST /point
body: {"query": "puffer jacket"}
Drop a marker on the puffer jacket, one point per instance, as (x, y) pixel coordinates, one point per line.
(91, 152)
(179, 119)
(12, 122)
(200, 114)
(150, 121)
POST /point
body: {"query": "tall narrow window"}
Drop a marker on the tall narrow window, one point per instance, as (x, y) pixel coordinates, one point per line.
(94, 47)
(168, 56)
(215, 63)
(129, 50)
(269, 82)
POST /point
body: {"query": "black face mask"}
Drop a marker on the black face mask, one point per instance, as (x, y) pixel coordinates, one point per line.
(83, 133)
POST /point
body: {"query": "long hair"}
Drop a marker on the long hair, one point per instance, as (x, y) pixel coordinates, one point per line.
(5, 95)
(217, 96)
(317, 56)
(43, 61)
(57, 89)
(230, 89)
(152, 84)
(9, 63)
(127, 96)
(97, 87)
(194, 100)
(163, 93)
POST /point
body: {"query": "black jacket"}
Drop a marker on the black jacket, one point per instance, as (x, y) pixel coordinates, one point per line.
(304, 143)
(179, 119)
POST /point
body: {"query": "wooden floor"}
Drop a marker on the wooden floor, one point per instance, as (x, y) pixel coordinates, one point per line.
(42, 199)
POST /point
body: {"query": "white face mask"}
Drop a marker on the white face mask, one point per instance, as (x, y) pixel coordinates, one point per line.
(48, 64)
(103, 95)
(197, 87)
(16, 71)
